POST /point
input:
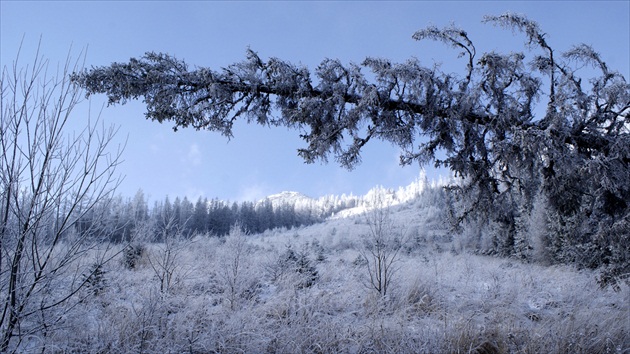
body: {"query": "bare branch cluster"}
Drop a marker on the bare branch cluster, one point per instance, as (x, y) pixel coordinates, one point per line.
(382, 244)
(50, 177)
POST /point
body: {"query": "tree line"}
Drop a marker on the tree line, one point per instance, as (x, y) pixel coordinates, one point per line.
(132, 218)
(125, 219)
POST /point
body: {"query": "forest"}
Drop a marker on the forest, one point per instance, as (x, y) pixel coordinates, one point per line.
(124, 218)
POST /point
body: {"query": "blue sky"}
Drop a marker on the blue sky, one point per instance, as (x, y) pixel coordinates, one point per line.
(260, 161)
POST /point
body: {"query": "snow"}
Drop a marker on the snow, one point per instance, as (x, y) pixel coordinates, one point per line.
(442, 299)
(287, 198)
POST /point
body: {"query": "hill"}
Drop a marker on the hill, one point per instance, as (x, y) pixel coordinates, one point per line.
(311, 289)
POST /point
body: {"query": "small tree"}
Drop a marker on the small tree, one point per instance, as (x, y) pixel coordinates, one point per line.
(233, 263)
(382, 244)
(51, 179)
(165, 259)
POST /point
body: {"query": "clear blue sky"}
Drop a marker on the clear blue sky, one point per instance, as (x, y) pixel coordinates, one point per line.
(260, 161)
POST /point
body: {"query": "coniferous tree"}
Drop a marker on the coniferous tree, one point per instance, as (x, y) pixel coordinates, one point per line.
(483, 125)
(264, 215)
(220, 218)
(200, 216)
(185, 217)
(139, 208)
(248, 218)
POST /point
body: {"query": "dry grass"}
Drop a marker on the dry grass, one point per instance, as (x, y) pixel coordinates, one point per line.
(440, 302)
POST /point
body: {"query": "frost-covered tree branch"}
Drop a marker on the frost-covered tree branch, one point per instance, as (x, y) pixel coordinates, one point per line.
(485, 125)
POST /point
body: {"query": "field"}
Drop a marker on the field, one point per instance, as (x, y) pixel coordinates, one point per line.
(308, 290)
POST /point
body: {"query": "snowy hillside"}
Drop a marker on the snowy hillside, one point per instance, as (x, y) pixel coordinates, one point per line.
(383, 274)
(311, 290)
(349, 205)
(291, 198)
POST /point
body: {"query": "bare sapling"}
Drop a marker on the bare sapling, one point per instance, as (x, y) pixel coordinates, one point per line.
(165, 260)
(381, 245)
(55, 172)
(233, 265)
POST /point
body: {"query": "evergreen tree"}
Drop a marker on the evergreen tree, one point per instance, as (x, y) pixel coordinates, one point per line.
(264, 215)
(484, 125)
(186, 214)
(199, 222)
(220, 218)
(247, 217)
(139, 208)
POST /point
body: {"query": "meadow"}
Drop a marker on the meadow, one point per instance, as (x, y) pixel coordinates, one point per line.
(308, 290)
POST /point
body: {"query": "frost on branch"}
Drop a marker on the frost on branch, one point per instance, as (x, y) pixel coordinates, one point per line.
(484, 125)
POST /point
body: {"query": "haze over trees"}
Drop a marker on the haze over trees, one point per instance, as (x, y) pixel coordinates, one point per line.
(536, 134)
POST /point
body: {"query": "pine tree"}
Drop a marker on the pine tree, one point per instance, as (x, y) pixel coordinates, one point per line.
(199, 222)
(483, 125)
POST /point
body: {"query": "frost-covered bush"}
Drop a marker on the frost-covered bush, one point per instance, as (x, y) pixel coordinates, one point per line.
(132, 254)
(235, 268)
(95, 280)
(293, 267)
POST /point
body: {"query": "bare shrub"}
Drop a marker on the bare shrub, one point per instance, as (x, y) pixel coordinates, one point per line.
(382, 244)
(234, 266)
(164, 259)
(52, 184)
